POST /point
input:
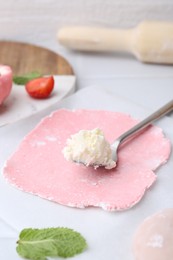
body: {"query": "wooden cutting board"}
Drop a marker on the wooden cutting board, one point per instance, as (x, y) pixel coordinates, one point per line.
(24, 58)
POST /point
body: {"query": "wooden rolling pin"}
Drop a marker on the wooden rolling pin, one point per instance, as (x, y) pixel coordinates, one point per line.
(150, 41)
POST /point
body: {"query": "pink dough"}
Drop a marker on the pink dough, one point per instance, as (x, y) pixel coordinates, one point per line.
(153, 239)
(38, 166)
(5, 82)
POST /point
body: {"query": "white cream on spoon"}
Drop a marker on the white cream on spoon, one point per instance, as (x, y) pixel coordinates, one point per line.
(90, 148)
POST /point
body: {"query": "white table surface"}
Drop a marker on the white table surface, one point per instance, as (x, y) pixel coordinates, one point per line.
(147, 86)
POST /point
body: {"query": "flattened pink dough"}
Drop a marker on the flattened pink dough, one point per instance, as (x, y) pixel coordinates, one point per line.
(38, 166)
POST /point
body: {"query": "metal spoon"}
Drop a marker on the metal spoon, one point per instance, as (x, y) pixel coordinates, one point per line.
(137, 128)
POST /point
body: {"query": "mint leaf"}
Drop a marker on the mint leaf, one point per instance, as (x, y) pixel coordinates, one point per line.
(23, 79)
(37, 244)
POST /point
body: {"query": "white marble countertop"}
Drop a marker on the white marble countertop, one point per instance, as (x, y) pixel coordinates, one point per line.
(149, 85)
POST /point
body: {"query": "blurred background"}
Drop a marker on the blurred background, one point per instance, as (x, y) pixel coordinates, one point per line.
(37, 21)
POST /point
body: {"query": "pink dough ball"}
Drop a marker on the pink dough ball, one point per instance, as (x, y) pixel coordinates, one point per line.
(6, 82)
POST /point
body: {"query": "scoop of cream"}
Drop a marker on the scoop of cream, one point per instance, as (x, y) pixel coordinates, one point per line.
(90, 148)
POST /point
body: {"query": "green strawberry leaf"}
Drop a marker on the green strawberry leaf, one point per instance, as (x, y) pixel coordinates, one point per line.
(23, 79)
(37, 244)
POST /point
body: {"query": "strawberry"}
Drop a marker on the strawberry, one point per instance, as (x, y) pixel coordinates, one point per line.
(40, 87)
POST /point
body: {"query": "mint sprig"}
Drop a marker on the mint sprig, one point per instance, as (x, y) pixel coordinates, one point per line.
(37, 244)
(23, 79)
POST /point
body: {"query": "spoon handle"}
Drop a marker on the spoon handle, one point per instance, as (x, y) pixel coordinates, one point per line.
(147, 121)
